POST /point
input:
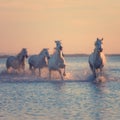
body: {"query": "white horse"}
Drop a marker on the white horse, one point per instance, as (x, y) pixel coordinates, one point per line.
(39, 61)
(97, 58)
(57, 61)
(17, 62)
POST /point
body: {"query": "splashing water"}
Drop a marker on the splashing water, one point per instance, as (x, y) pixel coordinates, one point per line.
(100, 79)
(27, 76)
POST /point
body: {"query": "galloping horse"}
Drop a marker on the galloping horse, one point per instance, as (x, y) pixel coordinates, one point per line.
(17, 62)
(39, 61)
(57, 61)
(97, 58)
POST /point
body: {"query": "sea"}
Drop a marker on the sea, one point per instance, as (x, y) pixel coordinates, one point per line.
(27, 96)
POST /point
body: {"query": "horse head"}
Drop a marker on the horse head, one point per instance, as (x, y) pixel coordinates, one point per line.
(24, 52)
(45, 53)
(98, 45)
(58, 45)
(22, 55)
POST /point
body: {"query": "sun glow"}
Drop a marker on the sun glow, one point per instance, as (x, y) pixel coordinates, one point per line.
(36, 24)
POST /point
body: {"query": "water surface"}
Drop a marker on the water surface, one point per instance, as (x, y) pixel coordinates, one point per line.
(29, 97)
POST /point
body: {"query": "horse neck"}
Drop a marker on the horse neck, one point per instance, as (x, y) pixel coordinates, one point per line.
(59, 56)
(42, 56)
(20, 58)
(97, 55)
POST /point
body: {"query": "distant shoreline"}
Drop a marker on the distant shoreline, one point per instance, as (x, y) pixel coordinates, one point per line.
(68, 55)
(85, 55)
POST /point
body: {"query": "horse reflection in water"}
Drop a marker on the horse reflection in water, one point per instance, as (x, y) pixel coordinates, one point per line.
(39, 61)
(17, 62)
(57, 61)
(97, 58)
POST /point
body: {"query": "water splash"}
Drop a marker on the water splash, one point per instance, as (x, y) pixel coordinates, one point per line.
(100, 79)
(71, 76)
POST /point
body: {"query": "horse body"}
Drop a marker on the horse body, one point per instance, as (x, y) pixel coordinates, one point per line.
(39, 61)
(57, 61)
(13, 61)
(97, 58)
(17, 62)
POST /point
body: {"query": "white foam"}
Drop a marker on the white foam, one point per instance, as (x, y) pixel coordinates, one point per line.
(100, 79)
(71, 76)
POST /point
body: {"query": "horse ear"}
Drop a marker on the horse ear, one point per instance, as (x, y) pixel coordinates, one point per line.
(58, 40)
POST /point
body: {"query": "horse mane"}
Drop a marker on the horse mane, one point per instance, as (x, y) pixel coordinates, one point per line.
(44, 58)
(41, 52)
(60, 51)
(20, 57)
(96, 42)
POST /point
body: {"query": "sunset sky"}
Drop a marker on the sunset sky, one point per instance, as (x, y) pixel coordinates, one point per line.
(35, 24)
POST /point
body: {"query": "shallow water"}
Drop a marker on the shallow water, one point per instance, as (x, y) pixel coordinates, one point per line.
(24, 96)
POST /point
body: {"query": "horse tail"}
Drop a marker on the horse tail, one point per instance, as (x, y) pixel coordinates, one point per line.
(8, 64)
(30, 66)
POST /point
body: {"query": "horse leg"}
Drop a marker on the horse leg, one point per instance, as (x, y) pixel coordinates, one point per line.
(94, 73)
(60, 74)
(31, 68)
(64, 73)
(8, 69)
(23, 67)
(34, 70)
(101, 71)
(50, 74)
(93, 70)
(39, 72)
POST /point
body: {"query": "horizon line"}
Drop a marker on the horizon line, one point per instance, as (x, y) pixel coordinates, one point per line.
(67, 54)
